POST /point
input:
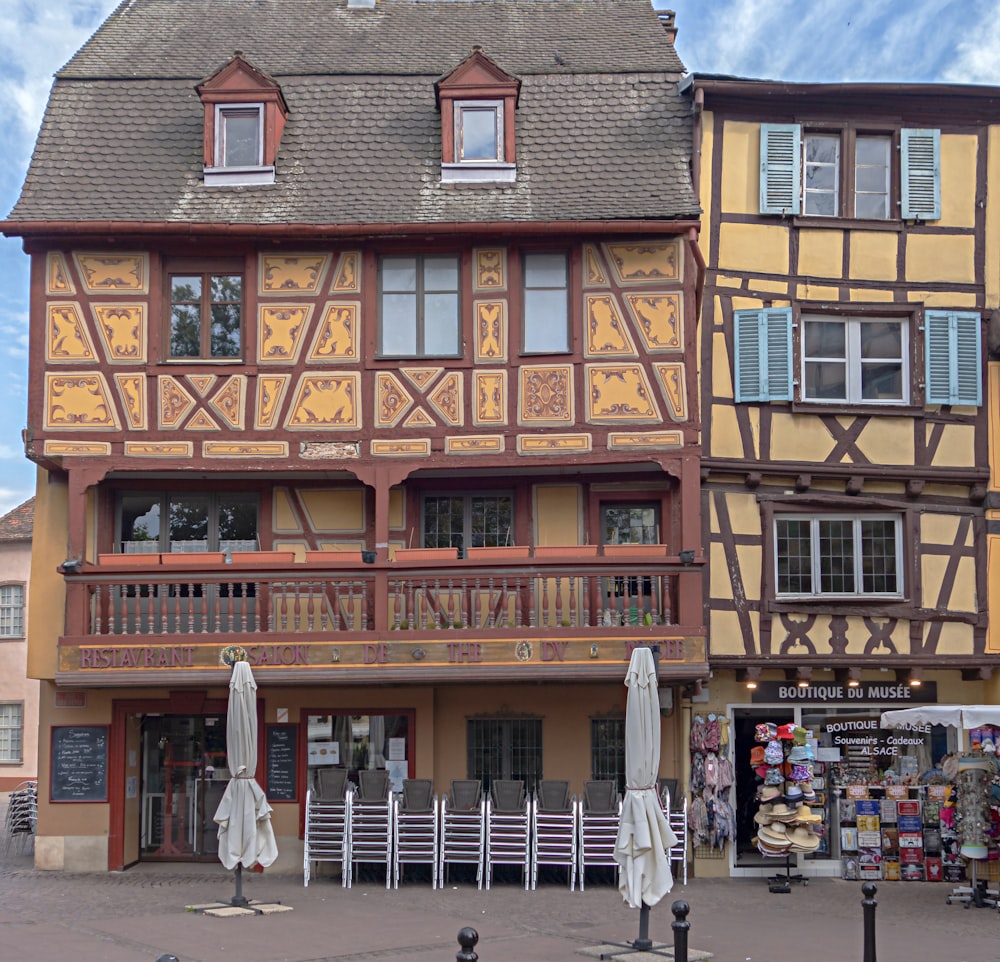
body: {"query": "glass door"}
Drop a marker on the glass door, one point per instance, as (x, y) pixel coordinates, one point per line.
(184, 776)
(357, 742)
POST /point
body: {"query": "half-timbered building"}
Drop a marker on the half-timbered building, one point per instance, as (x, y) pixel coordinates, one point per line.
(851, 248)
(363, 338)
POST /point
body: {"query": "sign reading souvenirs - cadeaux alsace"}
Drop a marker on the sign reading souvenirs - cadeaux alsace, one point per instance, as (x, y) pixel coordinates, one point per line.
(870, 692)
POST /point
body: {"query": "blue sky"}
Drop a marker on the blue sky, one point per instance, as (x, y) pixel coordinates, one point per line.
(925, 41)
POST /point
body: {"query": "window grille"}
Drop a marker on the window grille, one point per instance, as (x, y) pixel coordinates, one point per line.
(505, 748)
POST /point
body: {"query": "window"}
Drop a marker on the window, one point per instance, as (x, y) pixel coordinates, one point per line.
(505, 748)
(173, 522)
(11, 611)
(419, 306)
(857, 358)
(845, 172)
(838, 556)
(546, 303)
(607, 750)
(630, 524)
(479, 131)
(206, 310)
(11, 732)
(240, 135)
(854, 359)
(463, 521)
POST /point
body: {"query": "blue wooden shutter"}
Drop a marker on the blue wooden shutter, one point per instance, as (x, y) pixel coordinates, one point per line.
(921, 174)
(952, 344)
(780, 157)
(763, 341)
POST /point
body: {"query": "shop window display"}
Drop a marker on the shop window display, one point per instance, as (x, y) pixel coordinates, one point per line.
(710, 816)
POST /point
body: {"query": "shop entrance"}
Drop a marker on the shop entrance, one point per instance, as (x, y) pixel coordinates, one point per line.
(184, 776)
(745, 721)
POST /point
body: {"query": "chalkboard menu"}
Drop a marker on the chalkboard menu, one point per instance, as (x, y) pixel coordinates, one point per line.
(282, 763)
(79, 764)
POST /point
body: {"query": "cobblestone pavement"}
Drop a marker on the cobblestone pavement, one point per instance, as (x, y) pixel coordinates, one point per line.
(140, 914)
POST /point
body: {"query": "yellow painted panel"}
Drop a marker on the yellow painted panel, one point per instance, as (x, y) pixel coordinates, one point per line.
(720, 585)
(943, 259)
(724, 280)
(342, 509)
(298, 547)
(753, 247)
(772, 287)
(705, 180)
(797, 438)
(726, 435)
(955, 639)
(958, 180)
(557, 514)
(992, 271)
(746, 303)
(725, 635)
(866, 294)
(816, 292)
(821, 253)
(744, 513)
(942, 299)
(993, 591)
(957, 446)
(284, 516)
(938, 528)
(873, 255)
(397, 509)
(751, 558)
(993, 416)
(740, 168)
(47, 597)
(883, 442)
(722, 378)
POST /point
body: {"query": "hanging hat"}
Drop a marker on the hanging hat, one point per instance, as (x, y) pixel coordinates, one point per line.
(760, 771)
(786, 731)
(803, 839)
(765, 731)
(808, 793)
(799, 738)
(806, 814)
(757, 755)
(770, 793)
(800, 773)
(763, 815)
(773, 754)
(774, 776)
(780, 812)
(793, 794)
(774, 835)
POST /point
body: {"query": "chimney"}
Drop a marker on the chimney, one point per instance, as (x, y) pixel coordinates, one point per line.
(668, 19)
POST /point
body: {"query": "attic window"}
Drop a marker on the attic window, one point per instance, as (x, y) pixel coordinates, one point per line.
(239, 135)
(479, 131)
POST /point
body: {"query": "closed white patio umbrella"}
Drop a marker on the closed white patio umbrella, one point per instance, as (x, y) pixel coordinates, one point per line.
(246, 837)
(644, 835)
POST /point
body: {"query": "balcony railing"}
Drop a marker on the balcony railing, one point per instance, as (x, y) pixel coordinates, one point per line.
(299, 599)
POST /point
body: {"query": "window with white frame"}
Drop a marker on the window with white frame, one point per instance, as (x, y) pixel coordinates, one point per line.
(479, 131)
(838, 556)
(239, 132)
(841, 171)
(546, 303)
(419, 301)
(854, 359)
(11, 611)
(11, 732)
(468, 521)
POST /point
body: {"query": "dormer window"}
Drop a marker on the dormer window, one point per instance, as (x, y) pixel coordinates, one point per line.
(478, 101)
(244, 117)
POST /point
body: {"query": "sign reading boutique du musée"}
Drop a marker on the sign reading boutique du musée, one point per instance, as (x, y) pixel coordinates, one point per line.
(869, 692)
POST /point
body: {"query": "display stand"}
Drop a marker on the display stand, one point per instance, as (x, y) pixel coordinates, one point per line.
(974, 779)
(781, 884)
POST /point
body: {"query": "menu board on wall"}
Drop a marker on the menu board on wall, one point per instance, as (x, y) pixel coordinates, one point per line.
(79, 771)
(282, 763)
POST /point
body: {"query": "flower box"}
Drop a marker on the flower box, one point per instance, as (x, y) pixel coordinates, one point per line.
(635, 550)
(566, 551)
(499, 553)
(187, 559)
(128, 560)
(348, 556)
(262, 557)
(426, 554)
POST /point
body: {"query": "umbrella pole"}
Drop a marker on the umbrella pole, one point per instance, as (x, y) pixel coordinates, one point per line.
(238, 898)
(644, 943)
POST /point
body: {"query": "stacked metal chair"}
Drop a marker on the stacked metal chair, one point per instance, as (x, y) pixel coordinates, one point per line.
(370, 837)
(554, 829)
(21, 819)
(328, 823)
(415, 827)
(677, 820)
(599, 819)
(508, 828)
(463, 828)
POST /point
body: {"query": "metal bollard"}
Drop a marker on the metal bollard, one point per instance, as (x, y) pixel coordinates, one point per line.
(868, 906)
(167, 958)
(681, 926)
(467, 938)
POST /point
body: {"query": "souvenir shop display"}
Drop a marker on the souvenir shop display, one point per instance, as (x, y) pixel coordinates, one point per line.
(974, 825)
(783, 763)
(710, 815)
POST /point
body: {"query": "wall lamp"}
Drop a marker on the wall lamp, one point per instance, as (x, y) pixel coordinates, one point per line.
(750, 677)
(687, 556)
(803, 677)
(853, 677)
(69, 567)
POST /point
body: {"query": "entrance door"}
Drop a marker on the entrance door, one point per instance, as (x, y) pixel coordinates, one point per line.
(184, 776)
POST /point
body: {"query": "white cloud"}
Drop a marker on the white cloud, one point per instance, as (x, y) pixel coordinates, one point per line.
(976, 59)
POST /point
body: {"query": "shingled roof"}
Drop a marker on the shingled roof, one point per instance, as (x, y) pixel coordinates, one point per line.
(601, 129)
(16, 525)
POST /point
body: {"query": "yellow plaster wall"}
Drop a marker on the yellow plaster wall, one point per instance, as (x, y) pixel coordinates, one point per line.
(821, 253)
(47, 597)
(739, 191)
(397, 509)
(954, 639)
(705, 180)
(873, 255)
(795, 438)
(940, 258)
(945, 299)
(557, 514)
(817, 292)
(335, 509)
(884, 443)
(724, 632)
(957, 444)
(962, 596)
(753, 247)
(725, 441)
(993, 595)
(958, 178)
(993, 419)
(866, 294)
(992, 272)
(284, 516)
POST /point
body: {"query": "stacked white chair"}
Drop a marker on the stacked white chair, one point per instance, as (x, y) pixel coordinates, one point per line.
(370, 836)
(416, 824)
(599, 819)
(507, 828)
(554, 829)
(463, 828)
(328, 824)
(677, 819)
(21, 819)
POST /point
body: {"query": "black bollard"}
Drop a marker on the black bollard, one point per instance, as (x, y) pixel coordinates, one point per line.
(467, 938)
(681, 926)
(167, 958)
(868, 905)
